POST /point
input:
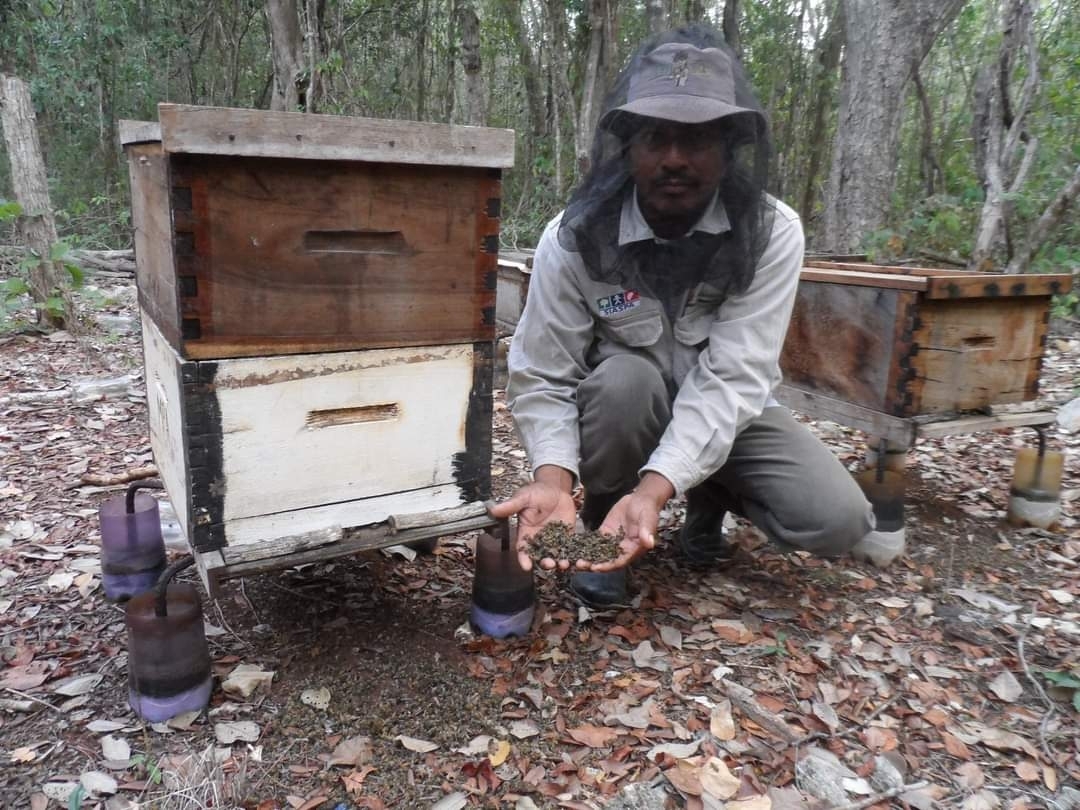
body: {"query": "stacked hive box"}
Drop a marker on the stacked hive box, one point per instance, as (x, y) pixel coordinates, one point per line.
(876, 347)
(317, 298)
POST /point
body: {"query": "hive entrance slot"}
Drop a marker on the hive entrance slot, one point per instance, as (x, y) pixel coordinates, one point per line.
(384, 412)
(360, 241)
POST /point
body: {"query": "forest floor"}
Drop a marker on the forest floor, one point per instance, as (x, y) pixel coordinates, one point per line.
(780, 680)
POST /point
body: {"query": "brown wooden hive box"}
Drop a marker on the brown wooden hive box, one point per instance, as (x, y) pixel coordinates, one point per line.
(913, 341)
(279, 233)
(318, 306)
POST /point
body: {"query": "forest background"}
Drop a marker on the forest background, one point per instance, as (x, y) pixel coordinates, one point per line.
(937, 130)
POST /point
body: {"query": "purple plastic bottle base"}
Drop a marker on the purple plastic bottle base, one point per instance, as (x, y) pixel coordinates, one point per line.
(121, 587)
(501, 625)
(160, 709)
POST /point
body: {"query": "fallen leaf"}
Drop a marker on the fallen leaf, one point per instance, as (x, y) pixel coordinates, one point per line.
(59, 791)
(1028, 770)
(1006, 687)
(502, 751)
(97, 783)
(353, 752)
(115, 748)
(826, 714)
(25, 677)
(1050, 778)
(77, 685)
(751, 803)
(1006, 741)
(733, 631)
(675, 750)
(671, 636)
(644, 656)
(245, 679)
(685, 777)
(354, 780)
(954, 746)
(229, 732)
(983, 800)
(717, 780)
(454, 801)
(413, 744)
(522, 729)
(970, 776)
(721, 723)
(22, 755)
(60, 581)
(593, 736)
(316, 698)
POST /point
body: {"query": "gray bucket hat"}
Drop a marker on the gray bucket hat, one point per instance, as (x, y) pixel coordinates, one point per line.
(679, 82)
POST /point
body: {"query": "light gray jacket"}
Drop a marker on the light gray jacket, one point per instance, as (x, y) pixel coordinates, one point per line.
(571, 323)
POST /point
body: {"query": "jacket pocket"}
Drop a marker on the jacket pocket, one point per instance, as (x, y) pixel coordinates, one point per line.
(637, 330)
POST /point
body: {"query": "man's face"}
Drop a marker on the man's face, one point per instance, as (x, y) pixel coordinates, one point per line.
(677, 169)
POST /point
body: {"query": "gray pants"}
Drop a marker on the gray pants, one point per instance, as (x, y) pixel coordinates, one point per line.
(778, 475)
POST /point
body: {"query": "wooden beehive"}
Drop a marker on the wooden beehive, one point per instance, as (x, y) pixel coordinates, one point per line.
(908, 342)
(318, 302)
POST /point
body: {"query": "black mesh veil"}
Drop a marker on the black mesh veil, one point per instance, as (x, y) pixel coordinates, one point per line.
(590, 223)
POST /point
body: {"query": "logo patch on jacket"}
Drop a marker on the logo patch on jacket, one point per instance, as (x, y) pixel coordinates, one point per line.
(619, 302)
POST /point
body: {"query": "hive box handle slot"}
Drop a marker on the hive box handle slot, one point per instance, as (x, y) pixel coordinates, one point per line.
(386, 412)
(382, 242)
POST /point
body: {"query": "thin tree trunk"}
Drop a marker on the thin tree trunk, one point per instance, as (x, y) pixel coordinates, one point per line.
(883, 41)
(828, 60)
(999, 127)
(601, 37)
(313, 50)
(288, 54)
(928, 162)
(656, 15)
(1045, 225)
(421, 59)
(36, 227)
(470, 63)
(731, 26)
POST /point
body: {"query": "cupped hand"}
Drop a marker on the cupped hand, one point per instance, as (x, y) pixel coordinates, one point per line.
(638, 516)
(536, 505)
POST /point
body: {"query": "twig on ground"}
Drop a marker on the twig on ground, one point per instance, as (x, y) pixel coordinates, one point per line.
(892, 793)
(747, 702)
(136, 474)
(1050, 709)
(31, 697)
(835, 735)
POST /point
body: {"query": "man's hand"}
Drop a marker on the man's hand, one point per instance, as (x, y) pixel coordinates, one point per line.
(638, 515)
(545, 500)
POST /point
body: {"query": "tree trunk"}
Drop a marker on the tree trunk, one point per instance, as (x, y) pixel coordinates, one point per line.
(35, 226)
(656, 15)
(594, 85)
(998, 129)
(313, 52)
(731, 26)
(828, 61)
(288, 55)
(883, 41)
(1045, 225)
(530, 68)
(422, 48)
(470, 63)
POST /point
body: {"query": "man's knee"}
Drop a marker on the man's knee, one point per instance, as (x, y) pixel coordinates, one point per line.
(622, 381)
(825, 520)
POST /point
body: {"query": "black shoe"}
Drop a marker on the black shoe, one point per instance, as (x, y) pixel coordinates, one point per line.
(703, 539)
(600, 590)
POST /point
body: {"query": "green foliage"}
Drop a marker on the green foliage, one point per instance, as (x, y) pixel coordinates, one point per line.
(1069, 681)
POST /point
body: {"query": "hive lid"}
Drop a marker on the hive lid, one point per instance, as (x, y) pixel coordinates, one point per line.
(189, 129)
